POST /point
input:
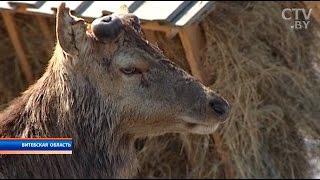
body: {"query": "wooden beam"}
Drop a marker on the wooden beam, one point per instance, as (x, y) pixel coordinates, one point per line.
(46, 33)
(14, 37)
(151, 36)
(193, 42)
(155, 26)
(171, 33)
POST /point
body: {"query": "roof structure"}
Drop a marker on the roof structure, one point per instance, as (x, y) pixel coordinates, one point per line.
(170, 17)
(176, 13)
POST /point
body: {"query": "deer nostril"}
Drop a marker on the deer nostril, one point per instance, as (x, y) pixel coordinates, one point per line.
(219, 110)
(219, 106)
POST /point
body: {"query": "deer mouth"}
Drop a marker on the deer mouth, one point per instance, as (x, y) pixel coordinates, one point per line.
(196, 127)
(202, 129)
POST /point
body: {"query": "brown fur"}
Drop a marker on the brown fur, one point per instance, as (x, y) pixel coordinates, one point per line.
(83, 95)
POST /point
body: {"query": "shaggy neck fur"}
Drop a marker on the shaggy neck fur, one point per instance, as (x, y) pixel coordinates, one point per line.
(65, 104)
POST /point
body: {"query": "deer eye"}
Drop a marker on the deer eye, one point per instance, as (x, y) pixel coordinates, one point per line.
(130, 70)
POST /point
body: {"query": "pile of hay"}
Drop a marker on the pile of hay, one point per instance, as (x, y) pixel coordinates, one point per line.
(12, 80)
(10, 74)
(269, 73)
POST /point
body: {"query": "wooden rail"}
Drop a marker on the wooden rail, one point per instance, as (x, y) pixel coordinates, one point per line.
(15, 40)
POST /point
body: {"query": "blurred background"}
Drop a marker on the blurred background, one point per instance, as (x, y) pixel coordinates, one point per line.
(262, 56)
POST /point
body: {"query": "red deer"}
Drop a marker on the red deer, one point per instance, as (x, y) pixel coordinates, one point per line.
(105, 86)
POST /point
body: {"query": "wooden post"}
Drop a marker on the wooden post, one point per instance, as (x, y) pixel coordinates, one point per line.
(193, 41)
(14, 37)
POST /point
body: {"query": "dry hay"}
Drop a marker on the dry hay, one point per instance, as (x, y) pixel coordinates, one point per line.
(274, 91)
(263, 67)
(267, 71)
(11, 82)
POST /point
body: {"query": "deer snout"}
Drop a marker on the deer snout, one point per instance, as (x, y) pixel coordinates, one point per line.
(220, 107)
(106, 28)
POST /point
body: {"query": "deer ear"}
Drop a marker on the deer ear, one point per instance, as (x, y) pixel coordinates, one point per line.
(70, 30)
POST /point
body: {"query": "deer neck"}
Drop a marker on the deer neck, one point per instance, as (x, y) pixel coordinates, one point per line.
(62, 104)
